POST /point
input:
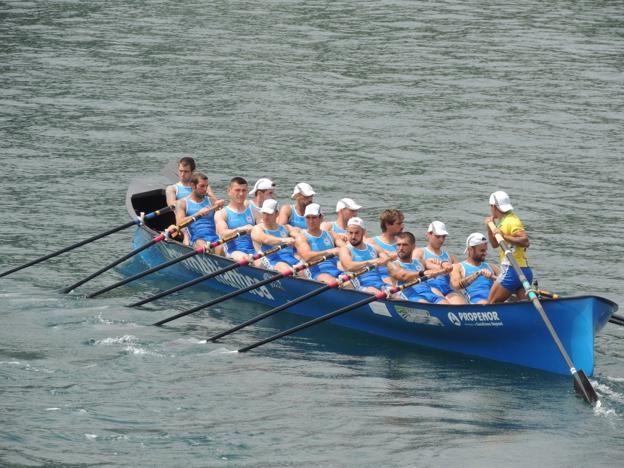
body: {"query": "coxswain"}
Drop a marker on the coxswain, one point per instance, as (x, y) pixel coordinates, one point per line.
(511, 228)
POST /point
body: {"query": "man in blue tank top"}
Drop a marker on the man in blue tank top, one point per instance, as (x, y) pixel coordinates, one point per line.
(346, 209)
(181, 189)
(202, 231)
(474, 275)
(406, 268)
(435, 256)
(313, 242)
(263, 189)
(236, 217)
(358, 254)
(303, 194)
(268, 234)
(392, 223)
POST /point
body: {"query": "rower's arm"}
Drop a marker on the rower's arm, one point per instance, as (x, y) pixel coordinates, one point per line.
(401, 274)
(170, 193)
(259, 236)
(349, 264)
(456, 276)
(180, 211)
(284, 214)
(306, 253)
(221, 224)
(520, 238)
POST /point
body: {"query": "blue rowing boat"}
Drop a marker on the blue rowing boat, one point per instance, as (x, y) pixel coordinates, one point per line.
(511, 332)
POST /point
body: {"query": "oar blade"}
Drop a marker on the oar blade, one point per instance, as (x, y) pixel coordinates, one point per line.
(585, 388)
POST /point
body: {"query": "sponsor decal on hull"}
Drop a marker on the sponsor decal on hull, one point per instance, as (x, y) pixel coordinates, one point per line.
(475, 319)
(419, 316)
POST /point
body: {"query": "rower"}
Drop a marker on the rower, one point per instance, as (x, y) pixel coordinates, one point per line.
(263, 189)
(392, 223)
(268, 234)
(511, 228)
(313, 242)
(436, 257)
(358, 254)
(294, 214)
(405, 268)
(475, 275)
(202, 231)
(346, 209)
(236, 217)
(181, 189)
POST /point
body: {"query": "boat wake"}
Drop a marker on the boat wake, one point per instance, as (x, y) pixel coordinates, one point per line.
(609, 398)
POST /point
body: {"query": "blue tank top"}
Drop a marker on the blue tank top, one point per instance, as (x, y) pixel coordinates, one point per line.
(371, 278)
(337, 229)
(235, 220)
(442, 282)
(383, 271)
(318, 244)
(182, 190)
(414, 265)
(204, 227)
(482, 285)
(287, 254)
(296, 220)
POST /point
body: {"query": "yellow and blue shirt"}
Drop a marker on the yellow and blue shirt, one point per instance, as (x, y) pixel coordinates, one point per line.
(510, 224)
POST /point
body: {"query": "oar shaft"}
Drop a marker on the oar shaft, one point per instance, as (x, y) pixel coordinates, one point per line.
(333, 284)
(343, 310)
(219, 299)
(113, 264)
(259, 284)
(309, 323)
(145, 273)
(86, 241)
(581, 383)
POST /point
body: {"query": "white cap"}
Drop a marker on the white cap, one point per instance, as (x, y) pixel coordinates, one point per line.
(313, 209)
(355, 221)
(346, 203)
(262, 184)
(438, 228)
(501, 200)
(269, 206)
(474, 239)
(304, 189)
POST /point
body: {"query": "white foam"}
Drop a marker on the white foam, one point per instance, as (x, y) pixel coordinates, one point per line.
(117, 340)
(91, 436)
(222, 351)
(52, 409)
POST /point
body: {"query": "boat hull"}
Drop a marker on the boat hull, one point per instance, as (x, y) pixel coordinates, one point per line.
(511, 332)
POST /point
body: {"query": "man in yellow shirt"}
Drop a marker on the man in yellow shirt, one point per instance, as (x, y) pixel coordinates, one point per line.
(512, 230)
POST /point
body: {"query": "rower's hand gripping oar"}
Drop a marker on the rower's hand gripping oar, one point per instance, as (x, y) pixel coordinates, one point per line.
(134, 222)
(375, 297)
(168, 233)
(581, 382)
(293, 270)
(200, 250)
(335, 283)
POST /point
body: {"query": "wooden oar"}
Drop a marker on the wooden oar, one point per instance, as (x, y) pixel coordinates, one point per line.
(342, 279)
(295, 269)
(581, 382)
(155, 240)
(207, 276)
(200, 250)
(376, 297)
(89, 240)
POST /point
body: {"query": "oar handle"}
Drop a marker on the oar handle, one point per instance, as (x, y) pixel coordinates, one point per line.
(178, 227)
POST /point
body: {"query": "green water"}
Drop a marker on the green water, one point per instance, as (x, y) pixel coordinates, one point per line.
(423, 106)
